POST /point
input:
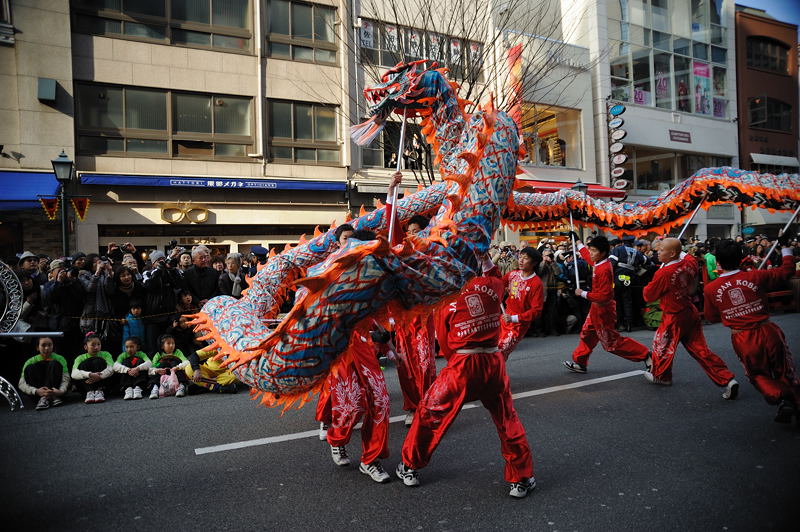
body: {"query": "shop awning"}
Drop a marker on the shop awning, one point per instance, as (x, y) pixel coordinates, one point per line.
(209, 182)
(774, 160)
(21, 190)
(596, 191)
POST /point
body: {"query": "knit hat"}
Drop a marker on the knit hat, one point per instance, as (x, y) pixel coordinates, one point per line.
(157, 255)
(58, 263)
(78, 255)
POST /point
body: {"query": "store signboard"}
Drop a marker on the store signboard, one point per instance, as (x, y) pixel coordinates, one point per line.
(680, 136)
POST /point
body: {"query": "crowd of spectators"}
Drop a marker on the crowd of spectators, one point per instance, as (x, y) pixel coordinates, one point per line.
(123, 293)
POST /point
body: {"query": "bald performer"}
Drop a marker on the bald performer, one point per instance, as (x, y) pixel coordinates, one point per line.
(673, 284)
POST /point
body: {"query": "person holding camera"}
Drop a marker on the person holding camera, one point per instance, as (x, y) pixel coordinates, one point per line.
(63, 299)
(161, 285)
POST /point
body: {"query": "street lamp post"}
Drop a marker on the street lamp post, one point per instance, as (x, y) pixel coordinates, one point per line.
(62, 166)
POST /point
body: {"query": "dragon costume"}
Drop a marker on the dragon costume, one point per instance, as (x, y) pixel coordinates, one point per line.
(342, 290)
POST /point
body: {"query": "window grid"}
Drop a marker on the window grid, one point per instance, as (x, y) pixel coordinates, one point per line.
(660, 64)
(386, 44)
(158, 143)
(114, 18)
(297, 150)
(283, 41)
(767, 54)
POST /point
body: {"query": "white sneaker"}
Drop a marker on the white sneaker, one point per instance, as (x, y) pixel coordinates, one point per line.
(99, 396)
(89, 397)
(137, 393)
(181, 391)
(520, 490)
(323, 432)
(128, 393)
(574, 366)
(655, 380)
(409, 419)
(731, 390)
(648, 362)
(154, 392)
(375, 471)
(43, 404)
(339, 455)
(407, 475)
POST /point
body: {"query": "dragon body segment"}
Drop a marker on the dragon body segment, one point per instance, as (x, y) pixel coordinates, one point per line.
(343, 290)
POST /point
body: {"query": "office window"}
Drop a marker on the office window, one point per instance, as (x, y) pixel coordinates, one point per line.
(642, 33)
(387, 44)
(302, 132)
(113, 120)
(769, 113)
(217, 24)
(767, 54)
(302, 32)
(552, 135)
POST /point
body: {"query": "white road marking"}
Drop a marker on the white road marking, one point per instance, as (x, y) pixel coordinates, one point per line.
(395, 419)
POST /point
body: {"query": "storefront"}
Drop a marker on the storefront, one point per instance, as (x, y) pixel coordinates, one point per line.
(225, 214)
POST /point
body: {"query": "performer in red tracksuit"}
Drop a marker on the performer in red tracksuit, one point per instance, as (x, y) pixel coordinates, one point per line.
(524, 300)
(738, 299)
(674, 284)
(475, 369)
(599, 325)
(416, 369)
(358, 392)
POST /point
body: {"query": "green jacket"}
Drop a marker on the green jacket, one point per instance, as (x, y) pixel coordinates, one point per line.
(711, 266)
(177, 354)
(79, 374)
(38, 358)
(144, 362)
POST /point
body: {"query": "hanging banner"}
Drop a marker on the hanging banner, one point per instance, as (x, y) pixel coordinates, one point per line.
(702, 87)
(475, 53)
(50, 206)
(455, 51)
(515, 84)
(414, 43)
(720, 103)
(368, 34)
(81, 206)
(392, 42)
(435, 47)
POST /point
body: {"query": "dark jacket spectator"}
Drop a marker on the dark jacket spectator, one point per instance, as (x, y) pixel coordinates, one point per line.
(200, 279)
(161, 285)
(63, 299)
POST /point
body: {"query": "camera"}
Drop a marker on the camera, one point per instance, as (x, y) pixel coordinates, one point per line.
(172, 244)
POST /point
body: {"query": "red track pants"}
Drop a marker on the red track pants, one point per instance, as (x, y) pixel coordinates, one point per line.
(599, 327)
(768, 362)
(464, 379)
(359, 390)
(510, 335)
(418, 372)
(685, 327)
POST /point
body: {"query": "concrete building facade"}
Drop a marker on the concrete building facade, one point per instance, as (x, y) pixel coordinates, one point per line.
(768, 103)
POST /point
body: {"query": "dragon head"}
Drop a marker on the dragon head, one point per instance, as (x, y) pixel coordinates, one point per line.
(405, 89)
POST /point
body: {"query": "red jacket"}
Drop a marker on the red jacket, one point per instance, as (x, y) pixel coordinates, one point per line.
(674, 285)
(738, 298)
(473, 319)
(524, 296)
(602, 279)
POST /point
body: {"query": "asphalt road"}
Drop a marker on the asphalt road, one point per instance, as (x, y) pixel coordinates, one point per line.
(617, 455)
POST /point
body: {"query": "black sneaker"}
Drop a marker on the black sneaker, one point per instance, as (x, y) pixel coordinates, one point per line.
(407, 475)
(574, 366)
(520, 490)
(786, 411)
